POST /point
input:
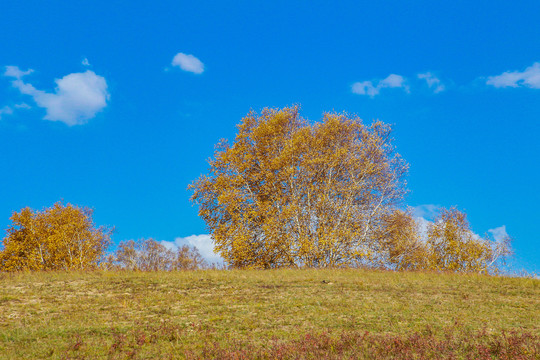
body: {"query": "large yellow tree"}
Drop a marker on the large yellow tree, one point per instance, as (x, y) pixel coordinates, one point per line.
(61, 237)
(291, 193)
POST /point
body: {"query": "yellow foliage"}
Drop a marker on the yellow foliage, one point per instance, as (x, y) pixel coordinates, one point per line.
(289, 193)
(452, 246)
(447, 244)
(401, 245)
(62, 237)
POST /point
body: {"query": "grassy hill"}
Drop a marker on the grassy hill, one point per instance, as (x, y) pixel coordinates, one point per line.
(268, 314)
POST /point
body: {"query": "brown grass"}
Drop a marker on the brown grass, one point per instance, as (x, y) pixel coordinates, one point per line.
(268, 314)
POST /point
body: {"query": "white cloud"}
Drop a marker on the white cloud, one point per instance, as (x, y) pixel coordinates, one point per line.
(530, 77)
(169, 245)
(393, 81)
(22, 106)
(188, 63)
(367, 87)
(14, 71)
(432, 81)
(424, 216)
(426, 211)
(203, 243)
(77, 97)
(85, 62)
(499, 233)
(6, 110)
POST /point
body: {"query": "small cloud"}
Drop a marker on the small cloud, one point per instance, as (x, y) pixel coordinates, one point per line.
(530, 77)
(203, 243)
(6, 110)
(432, 81)
(422, 227)
(169, 245)
(188, 63)
(367, 87)
(499, 233)
(9, 110)
(394, 81)
(14, 71)
(77, 97)
(85, 62)
(22, 106)
(424, 216)
(426, 211)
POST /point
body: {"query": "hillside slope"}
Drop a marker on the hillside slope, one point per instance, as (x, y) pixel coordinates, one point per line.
(258, 314)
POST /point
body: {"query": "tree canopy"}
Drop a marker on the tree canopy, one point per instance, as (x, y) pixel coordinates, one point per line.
(286, 192)
(291, 193)
(61, 237)
(453, 246)
(445, 244)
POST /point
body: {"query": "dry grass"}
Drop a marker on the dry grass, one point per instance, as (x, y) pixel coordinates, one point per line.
(267, 314)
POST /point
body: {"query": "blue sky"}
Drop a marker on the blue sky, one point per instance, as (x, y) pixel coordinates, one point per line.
(127, 99)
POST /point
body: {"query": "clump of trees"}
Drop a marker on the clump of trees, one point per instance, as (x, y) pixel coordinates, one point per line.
(286, 192)
(64, 237)
(61, 237)
(446, 244)
(291, 193)
(150, 255)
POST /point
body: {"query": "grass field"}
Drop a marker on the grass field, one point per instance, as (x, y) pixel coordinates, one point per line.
(268, 314)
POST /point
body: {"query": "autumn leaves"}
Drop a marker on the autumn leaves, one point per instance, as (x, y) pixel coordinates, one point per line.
(62, 237)
(291, 193)
(446, 244)
(286, 193)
